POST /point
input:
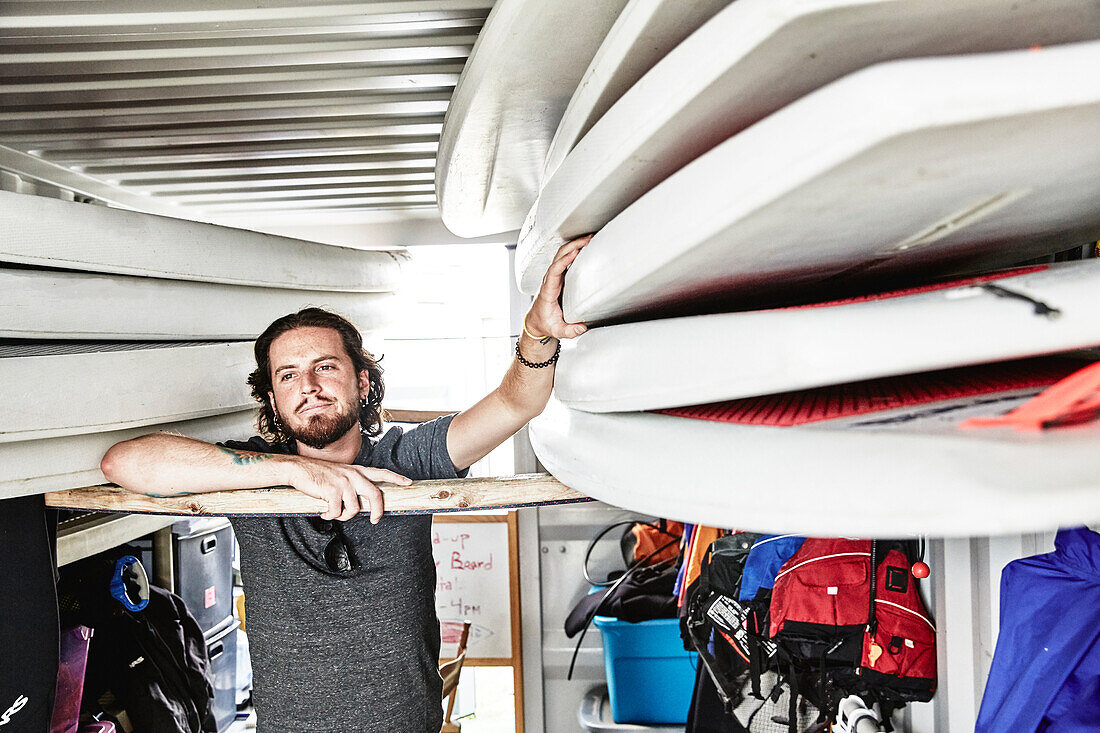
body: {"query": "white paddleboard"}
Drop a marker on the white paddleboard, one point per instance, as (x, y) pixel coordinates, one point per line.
(950, 165)
(645, 31)
(70, 305)
(909, 471)
(93, 387)
(751, 59)
(53, 464)
(44, 232)
(686, 361)
(526, 62)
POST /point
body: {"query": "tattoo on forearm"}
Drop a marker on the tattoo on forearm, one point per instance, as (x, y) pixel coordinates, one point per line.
(244, 458)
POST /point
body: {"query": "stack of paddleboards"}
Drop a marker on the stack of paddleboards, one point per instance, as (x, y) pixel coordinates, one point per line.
(801, 209)
(114, 324)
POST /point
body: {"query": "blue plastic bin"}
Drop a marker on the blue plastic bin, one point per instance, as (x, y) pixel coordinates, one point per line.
(649, 675)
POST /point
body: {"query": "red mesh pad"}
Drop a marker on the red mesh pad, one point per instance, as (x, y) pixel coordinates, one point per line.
(889, 393)
(1016, 272)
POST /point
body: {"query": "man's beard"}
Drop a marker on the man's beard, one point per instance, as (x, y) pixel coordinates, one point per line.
(321, 431)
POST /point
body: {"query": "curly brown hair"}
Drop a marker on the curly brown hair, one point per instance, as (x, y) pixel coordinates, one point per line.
(370, 416)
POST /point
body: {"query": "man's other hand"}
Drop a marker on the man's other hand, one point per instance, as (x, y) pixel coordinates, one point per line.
(347, 489)
(545, 317)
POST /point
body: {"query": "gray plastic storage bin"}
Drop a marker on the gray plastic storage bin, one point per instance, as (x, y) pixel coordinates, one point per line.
(204, 570)
(221, 647)
(594, 716)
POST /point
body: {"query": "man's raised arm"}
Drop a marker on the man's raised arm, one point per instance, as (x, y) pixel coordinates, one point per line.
(526, 387)
(161, 464)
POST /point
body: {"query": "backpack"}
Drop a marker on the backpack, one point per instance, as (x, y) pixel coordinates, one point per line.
(741, 668)
(766, 557)
(151, 654)
(712, 612)
(157, 664)
(848, 619)
(806, 609)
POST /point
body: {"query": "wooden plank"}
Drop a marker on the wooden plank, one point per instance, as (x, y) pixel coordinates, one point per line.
(460, 518)
(421, 497)
(415, 415)
(517, 620)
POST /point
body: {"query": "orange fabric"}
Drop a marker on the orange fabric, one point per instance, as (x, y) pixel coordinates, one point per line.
(240, 610)
(1073, 399)
(648, 539)
(700, 542)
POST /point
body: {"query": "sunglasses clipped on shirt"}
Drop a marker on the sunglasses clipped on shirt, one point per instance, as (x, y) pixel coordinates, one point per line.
(339, 556)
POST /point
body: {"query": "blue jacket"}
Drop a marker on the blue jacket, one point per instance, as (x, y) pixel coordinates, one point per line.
(1046, 669)
(765, 559)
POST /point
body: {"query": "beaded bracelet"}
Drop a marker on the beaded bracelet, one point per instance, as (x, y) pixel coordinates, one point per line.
(533, 365)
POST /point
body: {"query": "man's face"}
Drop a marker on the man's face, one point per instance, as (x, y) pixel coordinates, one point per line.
(315, 388)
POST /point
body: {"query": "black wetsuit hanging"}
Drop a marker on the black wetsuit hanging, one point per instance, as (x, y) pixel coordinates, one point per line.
(29, 633)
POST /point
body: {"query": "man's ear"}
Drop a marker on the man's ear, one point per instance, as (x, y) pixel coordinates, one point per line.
(271, 401)
(364, 383)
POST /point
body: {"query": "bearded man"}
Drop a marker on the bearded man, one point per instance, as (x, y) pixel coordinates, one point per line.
(341, 611)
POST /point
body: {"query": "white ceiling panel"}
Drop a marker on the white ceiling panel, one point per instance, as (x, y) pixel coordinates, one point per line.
(222, 111)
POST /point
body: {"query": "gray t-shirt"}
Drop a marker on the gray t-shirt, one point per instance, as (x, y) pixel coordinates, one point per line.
(358, 652)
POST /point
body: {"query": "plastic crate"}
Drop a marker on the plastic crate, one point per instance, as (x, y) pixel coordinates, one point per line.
(204, 570)
(650, 677)
(221, 648)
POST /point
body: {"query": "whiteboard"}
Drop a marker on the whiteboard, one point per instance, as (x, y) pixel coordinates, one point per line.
(474, 578)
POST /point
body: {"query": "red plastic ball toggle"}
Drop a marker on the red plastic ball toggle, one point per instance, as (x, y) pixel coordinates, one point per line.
(921, 570)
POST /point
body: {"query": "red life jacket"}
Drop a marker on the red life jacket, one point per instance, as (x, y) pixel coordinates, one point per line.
(899, 649)
(844, 634)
